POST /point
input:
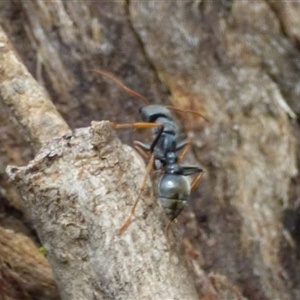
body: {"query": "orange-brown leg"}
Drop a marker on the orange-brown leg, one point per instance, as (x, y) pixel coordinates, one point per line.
(148, 170)
(122, 85)
(184, 151)
(140, 125)
(196, 181)
(141, 150)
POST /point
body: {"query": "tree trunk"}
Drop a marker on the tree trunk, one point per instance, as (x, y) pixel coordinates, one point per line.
(234, 61)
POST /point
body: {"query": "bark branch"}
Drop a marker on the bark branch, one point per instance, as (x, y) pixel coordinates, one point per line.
(29, 104)
(79, 190)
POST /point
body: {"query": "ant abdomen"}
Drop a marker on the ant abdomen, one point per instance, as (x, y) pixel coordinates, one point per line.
(174, 191)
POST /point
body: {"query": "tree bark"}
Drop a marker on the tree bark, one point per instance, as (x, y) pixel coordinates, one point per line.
(234, 61)
(26, 99)
(24, 272)
(79, 189)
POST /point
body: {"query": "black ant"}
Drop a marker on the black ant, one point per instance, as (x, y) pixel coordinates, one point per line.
(174, 189)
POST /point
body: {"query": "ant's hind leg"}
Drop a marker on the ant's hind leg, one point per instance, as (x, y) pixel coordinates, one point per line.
(185, 145)
(196, 181)
(148, 170)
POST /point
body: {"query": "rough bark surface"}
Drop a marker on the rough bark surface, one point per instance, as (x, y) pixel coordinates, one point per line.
(78, 190)
(27, 100)
(235, 61)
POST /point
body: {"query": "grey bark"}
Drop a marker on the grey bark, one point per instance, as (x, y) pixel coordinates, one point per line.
(78, 191)
(30, 107)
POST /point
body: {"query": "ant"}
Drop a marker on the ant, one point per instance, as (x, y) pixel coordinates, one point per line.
(174, 189)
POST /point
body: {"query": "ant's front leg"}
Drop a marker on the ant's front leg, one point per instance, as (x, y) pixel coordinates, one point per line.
(139, 125)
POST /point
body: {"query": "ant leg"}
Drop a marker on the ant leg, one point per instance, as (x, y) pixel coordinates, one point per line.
(142, 148)
(148, 170)
(185, 145)
(141, 125)
(196, 181)
(158, 135)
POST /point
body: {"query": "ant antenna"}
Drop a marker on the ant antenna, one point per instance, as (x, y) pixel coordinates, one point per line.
(137, 95)
(187, 111)
(123, 86)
